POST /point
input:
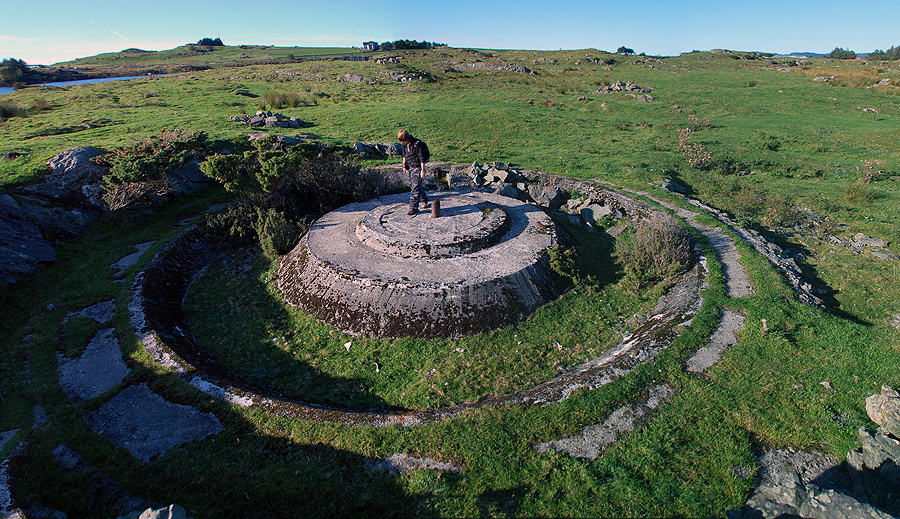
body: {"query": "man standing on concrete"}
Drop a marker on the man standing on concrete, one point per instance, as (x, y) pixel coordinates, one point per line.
(415, 156)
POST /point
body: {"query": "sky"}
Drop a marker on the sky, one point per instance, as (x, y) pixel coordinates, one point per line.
(52, 31)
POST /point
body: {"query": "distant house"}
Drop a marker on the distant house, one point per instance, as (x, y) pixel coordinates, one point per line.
(370, 45)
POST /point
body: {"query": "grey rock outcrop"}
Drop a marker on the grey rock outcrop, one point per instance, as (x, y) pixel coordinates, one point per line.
(626, 87)
(809, 485)
(884, 410)
(550, 197)
(378, 150)
(281, 141)
(268, 120)
(70, 172)
(22, 246)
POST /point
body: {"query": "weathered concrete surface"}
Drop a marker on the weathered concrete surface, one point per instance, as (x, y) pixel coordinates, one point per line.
(403, 463)
(131, 419)
(720, 340)
(369, 268)
(594, 439)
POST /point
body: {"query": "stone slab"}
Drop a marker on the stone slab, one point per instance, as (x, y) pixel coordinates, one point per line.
(96, 371)
(147, 425)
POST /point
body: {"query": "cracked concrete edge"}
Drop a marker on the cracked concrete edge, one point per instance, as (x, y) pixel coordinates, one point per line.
(594, 439)
(724, 337)
(402, 463)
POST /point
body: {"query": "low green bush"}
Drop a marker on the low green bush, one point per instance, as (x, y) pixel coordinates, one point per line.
(276, 100)
(152, 158)
(277, 235)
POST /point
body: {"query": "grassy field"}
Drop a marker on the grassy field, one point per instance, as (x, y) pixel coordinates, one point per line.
(787, 155)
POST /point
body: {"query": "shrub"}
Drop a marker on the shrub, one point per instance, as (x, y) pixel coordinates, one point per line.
(233, 226)
(562, 260)
(276, 100)
(653, 250)
(277, 235)
(141, 172)
(10, 110)
(41, 104)
(13, 70)
(695, 154)
(868, 173)
(151, 158)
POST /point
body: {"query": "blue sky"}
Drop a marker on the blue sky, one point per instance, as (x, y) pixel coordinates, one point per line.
(50, 31)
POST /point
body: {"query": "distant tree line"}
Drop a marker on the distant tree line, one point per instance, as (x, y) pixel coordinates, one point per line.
(211, 43)
(839, 53)
(408, 45)
(892, 53)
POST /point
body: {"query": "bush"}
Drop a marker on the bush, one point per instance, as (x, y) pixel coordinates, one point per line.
(12, 70)
(10, 110)
(233, 226)
(695, 154)
(562, 260)
(654, 250)
(151, 158)
(41, 104)
(209, 42)
(276, 100)
(277, 235)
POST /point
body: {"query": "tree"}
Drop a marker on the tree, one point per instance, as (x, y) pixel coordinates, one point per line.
(625, 50)
(839, 53)
(211, 43)
(12, 70)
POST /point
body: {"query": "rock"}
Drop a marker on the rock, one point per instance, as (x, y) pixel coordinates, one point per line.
(70, 171)
(352, 78)
(862, 240)
(189, 179)
(147, 425)
(281, 141)
(169, 512)
(884, 409)
(674, 187)
(23, 248)
(511, 191)
(58, 224)
(594, 212)
(378, 150)
(546, 196)
(885, 82)
(895, 320)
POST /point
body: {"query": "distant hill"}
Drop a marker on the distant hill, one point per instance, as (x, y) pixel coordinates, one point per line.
(808, 54)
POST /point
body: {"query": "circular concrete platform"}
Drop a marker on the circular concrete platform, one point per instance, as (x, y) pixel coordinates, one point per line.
(369, 268)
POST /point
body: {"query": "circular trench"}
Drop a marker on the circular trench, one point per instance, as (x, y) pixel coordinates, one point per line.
(160, 323)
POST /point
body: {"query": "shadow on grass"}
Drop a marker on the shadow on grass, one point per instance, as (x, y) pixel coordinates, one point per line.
(165, 282)
(810, 274)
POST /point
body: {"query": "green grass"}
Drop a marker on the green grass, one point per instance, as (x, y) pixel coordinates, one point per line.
(239, 316)
(802, 142)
